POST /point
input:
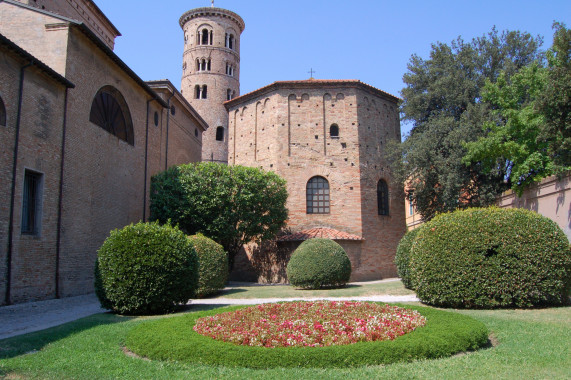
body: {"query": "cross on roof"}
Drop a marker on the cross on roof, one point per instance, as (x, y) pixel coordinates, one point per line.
(311, 72)
(212, 3)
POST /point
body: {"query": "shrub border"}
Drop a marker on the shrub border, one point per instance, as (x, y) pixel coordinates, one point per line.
(445, 334)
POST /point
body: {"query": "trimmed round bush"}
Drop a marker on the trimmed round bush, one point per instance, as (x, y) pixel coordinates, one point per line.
(146, 268)
(212, 265)
(173, 339)
(489, 258)
(402, 257)
(319, 263)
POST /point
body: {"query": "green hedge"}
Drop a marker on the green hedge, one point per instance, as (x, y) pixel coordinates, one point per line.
(146, 268)
(173, 339)
(402, 257)
(487, 258)
(317, 263)
(212, 265)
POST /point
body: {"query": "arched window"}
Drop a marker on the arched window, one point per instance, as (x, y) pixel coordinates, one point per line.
(204, 92)
(208, 64)
(229, 94)
(197, 64)
(2, 113)
(205, 37)
(383, 197)
(109, 110)
(317, 196)
(197, 92)
(219, 133)
(334, 131)
(229, 42)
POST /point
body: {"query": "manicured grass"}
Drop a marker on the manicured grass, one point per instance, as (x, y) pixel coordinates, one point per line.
(444, 334)
(394, 288)
(532, 344)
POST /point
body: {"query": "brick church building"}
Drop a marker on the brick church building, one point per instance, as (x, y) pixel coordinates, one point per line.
(81, 135)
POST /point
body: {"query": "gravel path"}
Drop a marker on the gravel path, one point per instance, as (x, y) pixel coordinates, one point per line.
(34, 316)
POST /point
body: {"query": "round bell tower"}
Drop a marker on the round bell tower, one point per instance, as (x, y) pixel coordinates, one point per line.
(211, 72)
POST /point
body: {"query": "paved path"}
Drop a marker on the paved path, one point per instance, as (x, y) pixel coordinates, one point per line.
(34, 316)
(253, 301)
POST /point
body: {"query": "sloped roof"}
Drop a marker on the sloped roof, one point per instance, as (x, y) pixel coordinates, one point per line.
(8, 44)
(319, 232)
(310, 83)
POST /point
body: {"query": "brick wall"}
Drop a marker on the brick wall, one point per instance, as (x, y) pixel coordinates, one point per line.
(39, 150)
(286, 129)
(220, 22)
(104, 183)
(81, 10)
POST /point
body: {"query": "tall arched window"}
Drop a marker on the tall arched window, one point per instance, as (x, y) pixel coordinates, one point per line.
(229, 41)
(219, 133)
(205, 37)
(229, 94)
(2, 113)
(109, 110)
(334, 131)
(317, 196)
(197, 64)
(197, 92)
(383, 197)
(204, 92)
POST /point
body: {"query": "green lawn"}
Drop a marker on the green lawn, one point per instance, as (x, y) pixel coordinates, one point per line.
(531, 344)
(394, 288)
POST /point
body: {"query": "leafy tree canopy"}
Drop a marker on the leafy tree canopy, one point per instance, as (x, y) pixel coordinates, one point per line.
(554, 103)
(233, 205)
(443, 100)
(530, 135)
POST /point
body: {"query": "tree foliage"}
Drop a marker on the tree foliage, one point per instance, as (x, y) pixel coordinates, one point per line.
(233, 205)
(511, 141)
(530, 135)
(554, 103)
(443, 100)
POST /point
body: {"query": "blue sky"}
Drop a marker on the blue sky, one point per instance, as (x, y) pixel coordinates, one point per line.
(369, 40)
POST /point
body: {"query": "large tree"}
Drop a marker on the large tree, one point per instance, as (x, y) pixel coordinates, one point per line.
(233, 205)
(554, 103)
(530, 135)
(442, 100)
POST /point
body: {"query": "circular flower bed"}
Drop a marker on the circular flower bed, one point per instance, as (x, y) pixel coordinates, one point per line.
(310, 324)
(444, 334)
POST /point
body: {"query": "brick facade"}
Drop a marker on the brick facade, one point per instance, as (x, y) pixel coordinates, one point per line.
(105, 179)
(211, 62)
(92, 181)
(286, 128)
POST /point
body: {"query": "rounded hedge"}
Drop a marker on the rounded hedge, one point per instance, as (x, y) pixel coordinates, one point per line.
(174, 339)
(488, 258)
(402, 257)
(146, 268)
(318, 263)
(212, 265)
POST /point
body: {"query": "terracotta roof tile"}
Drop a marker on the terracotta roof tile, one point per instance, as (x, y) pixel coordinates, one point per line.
(319, 232)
